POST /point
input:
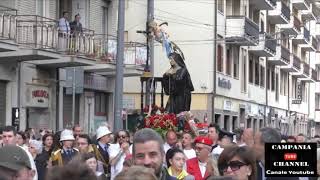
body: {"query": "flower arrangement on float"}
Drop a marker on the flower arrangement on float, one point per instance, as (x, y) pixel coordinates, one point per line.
(162, 122)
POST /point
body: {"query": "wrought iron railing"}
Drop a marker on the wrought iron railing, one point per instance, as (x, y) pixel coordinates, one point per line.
(285, 54)
(7, 16)
(38, 32)
(285, 10)
(251, 28)
(270, 42)
(106, 50)
(296, 62)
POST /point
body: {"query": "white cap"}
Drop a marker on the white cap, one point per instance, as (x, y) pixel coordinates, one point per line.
(67, 135)
(102, 131)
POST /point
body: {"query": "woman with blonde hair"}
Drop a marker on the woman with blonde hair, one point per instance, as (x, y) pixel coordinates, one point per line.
(212, 167)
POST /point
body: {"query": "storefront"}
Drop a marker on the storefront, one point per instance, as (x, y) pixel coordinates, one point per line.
(38, 98)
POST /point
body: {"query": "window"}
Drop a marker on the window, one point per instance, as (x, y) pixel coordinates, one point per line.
(317, 101)
(304, 92)
(277, 87)
(283, 83)
(256, 70)
(221, 5)
(244, 71)
(272, 79)
(100, 107)
(294, 88)
(226, 122)
(234, 122)
(236, 62)
(251, 68)
(220, 58)
(268, 77)
(262, 76)
(249, 123)
(228, 59)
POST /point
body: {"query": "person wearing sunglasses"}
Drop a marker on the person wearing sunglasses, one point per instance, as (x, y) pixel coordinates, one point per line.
(237, 162)
(118, 152)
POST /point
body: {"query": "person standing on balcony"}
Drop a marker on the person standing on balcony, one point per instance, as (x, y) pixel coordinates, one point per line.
(64, 26)
(76, 26)
(76, 31)
(64, 32)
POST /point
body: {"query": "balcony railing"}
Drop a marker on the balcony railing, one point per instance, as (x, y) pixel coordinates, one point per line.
(285, 54)
(296, 62)
(270, 42)
(38, 32)
(7, 18)
(306, 69)
(8, 10)
(285, 10)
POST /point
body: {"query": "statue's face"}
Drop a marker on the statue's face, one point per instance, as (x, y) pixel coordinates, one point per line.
(173, 63)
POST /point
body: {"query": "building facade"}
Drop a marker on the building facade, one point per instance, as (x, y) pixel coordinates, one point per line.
(36, 61)
(266, 60)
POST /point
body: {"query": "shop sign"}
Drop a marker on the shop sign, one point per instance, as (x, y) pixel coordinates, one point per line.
(224, 83)
(37, 96)
(227, 105)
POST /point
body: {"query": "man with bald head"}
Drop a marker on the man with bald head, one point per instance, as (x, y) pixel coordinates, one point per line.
(171, 140)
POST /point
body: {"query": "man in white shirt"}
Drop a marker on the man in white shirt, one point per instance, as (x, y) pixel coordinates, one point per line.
(118, 152)
(64, 26)
(64, 32)
(171, 140)
(187, 146)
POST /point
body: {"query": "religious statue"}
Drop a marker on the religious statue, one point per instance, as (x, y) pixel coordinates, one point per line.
(176, 81)
(178, 85)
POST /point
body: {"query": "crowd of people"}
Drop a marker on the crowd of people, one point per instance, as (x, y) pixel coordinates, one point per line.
(143, 155)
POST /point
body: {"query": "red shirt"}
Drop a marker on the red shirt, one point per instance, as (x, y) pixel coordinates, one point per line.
(194, 169)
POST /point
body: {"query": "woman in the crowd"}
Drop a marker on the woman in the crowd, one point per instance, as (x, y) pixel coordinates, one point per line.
(176, 159)
(237, 162)
(35, 148)
(21, 139)
(212, 167)
(43, 158)
(91, 162)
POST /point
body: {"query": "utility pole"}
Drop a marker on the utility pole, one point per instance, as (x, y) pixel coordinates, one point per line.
(215, 10)
(118, 123)
(150, 50)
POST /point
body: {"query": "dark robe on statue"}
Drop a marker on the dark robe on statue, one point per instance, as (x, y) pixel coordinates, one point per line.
(179, 87)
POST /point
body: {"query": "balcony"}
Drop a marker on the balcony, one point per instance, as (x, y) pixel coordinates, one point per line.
(293, 28)
(281, 58)
(294, 66)
(264, 4)
(266, 46)
(312, 45)
(303, 37)
(312, 76)
(280, 15)
(242, 31)
(300, 4)
(310, 13)
(42, 44)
